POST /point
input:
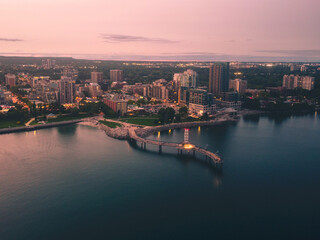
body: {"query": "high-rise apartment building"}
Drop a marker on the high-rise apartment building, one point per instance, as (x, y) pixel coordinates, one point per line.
(48, 63)
(293, 67)
(303, 68)
(116, 75)
(177, 80)
(189, 79)
(159, 90)
(238, 85)
(10, 79)
(96, 77)
(289, 81)
(183, 81)
(219, 78)
(66, 90)
(307, 83)
(292, 82)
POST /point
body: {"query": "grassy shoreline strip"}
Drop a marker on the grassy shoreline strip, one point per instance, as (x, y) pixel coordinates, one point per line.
(110, 124)
(141, 121)
(10, 124)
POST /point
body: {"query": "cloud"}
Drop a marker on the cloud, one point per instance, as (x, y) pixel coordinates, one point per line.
(10, 40)
(296, 53)
(118, 38)
(192, 53)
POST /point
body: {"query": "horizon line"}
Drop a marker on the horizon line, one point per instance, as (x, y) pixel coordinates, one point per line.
(119, 59)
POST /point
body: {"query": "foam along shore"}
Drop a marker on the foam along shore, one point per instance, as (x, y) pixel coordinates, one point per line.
(37, 127)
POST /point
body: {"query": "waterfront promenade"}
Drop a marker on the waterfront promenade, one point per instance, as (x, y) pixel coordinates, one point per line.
(138, 133)
(37, 127)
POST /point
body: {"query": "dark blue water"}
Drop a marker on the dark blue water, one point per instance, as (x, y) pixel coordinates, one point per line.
(74, 182)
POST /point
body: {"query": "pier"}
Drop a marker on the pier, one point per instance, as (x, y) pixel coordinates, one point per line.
(184, 147)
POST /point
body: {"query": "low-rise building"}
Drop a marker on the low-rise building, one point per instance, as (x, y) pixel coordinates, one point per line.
(230, 96)
(138, 88)
(199, 109)
(5, 97)
(238, 85)
(119, 106)
(200, 96)
(95, 90)
(227, 104)
(158, 89)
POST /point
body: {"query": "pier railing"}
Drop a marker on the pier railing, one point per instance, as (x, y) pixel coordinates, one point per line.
(187, 147)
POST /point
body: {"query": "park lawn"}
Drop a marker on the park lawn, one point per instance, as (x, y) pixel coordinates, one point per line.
(141, 121)
(151, 122)
(67, 118)
(110, 124)
(7, 124)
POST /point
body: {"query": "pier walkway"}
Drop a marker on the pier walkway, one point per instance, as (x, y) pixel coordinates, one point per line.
(185, 146)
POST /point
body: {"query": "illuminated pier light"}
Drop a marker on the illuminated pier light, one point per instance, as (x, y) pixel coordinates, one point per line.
(186, 135)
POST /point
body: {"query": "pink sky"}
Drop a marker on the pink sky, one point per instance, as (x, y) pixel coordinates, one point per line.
(166, 29)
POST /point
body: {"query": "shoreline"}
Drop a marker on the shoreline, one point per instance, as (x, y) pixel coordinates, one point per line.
(147, 131)
(37, 127)
(243, 113)
(122, 133)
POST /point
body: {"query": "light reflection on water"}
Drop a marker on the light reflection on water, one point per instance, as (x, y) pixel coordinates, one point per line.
(75, 182)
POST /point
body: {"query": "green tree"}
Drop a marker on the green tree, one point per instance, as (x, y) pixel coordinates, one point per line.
(253, 104)
(108, 112)
(74, 111)
(183, 111)
(62, 109)
(166, 115)
(131, 102)
(178, 118)
(205, 117)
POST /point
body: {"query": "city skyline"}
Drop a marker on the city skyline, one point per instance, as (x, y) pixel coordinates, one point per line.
(216, 30)
(171, 119)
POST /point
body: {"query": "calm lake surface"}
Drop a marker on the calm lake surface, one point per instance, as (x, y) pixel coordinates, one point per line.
(74, 182)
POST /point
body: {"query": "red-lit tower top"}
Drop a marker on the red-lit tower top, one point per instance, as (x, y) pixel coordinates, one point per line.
(186, 135)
